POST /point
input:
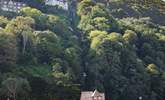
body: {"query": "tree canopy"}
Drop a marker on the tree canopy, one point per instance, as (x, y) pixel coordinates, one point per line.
(115, 46)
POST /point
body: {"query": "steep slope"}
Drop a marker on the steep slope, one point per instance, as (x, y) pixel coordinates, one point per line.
(154, 10)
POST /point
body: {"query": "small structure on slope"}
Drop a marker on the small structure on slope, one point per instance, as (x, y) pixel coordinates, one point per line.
(90, 95)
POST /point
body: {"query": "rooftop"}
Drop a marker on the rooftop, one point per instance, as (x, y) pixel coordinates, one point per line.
(90, 95)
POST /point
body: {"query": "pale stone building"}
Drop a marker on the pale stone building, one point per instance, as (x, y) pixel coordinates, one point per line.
(61, 3)
(11, 5)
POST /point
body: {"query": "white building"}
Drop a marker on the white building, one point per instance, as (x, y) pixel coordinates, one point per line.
(11, 5)
(61, 3)
(14, 6)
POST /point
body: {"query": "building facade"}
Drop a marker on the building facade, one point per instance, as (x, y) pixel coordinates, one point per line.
(11, 5)
(15, 5)
(90, 95)
(61, 3)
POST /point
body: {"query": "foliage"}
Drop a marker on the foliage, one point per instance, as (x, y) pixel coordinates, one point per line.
(13, 87)
(95, 17)
(54, 55)
(8, 51)
(47, 46)
(21, 28)
(3, 21)
(31, 12)
(46, 21)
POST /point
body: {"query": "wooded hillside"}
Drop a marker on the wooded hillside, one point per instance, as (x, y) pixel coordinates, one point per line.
(115, 46)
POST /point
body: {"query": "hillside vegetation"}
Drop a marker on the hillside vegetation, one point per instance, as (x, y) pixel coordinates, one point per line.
(115, 46)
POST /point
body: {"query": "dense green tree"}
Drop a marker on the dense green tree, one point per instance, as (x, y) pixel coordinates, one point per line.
(94, 16)
(47, 21)
(57, 25)
(47, 46)
(3, 21)
(130, 36)
(109, 46)
(39, 17)
(8, 50)
(14, 87)
(31, 12)
(72, 56)
(21, 27)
